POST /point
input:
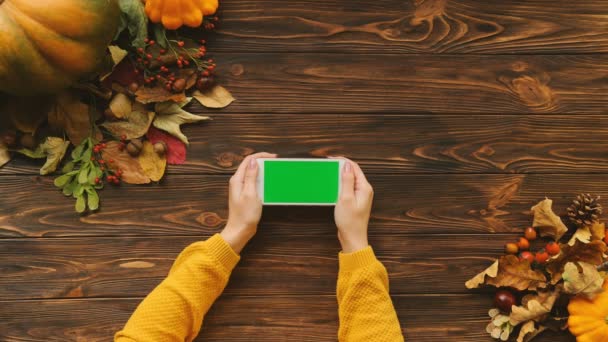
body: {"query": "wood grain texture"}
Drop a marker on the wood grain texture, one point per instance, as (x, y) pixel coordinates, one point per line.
(426, 318)
(414, 26)
(271, 265)
(409, 143)
(195, 205)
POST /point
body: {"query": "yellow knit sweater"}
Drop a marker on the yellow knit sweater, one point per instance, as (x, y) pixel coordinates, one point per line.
(174, 310)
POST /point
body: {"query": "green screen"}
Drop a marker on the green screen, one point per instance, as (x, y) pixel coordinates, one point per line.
(301, 181)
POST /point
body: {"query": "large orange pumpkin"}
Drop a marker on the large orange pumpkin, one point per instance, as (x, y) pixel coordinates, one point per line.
(45, 45)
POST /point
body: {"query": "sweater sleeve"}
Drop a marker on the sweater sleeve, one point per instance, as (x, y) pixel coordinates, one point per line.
(365, 308)
(174, 310)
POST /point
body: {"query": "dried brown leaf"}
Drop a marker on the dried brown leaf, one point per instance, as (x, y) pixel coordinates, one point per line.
(170, 116)
(509, 271)
(27, 114)
(534, 307)
(5, 157)
(54, 148)
(586, 281)
(216, 97)
(121, 106)
(583, 234)
(598, 231)
(529, 331)
(151, 162)
(157, 94)
(592, 253)
(71, 115)
(132, 171)
(137, 123)
(547, 222)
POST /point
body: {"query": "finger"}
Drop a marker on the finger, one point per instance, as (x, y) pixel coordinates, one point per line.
(239, 175)
(251, 175)
(348, 180)
(264, 155)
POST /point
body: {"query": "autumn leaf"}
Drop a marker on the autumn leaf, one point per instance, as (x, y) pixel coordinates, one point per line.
(54, 148)
(170, 116)
(534, 307)
(592, 253)
(132, 171)
(216, 97)
(158, 93)
(5, 157)
(135, 125)
(116, 56)
(176, 150)
(598, 231)
(27, 113)
(71, 115)
(152, 164)
(547, 222)
(587, 281)
(121, 106)
(529, 331)
(509, 271)
(583, 234)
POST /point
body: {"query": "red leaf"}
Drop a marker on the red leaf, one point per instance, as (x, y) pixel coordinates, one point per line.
(176, 150)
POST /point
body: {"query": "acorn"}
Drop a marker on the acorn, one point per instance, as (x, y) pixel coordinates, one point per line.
(160, 148)
(205, 82)
(178, 85)
(133, 87)
(28, 141)
(134, 147)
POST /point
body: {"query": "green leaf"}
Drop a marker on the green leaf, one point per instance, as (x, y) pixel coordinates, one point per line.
(62, 180)
(68, 167)
(83, 176)
(68, 190)
(78, 190)
(92, 175)
(80, 204)
(92, 199)
(160, 35)
(134, 15)
(36, 154)
(77, 152)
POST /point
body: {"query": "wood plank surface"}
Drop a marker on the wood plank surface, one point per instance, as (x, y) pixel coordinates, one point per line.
(427, 318)
(414, 26)
(195, 205)
(412, 84)
(390, 144)
(271, 265)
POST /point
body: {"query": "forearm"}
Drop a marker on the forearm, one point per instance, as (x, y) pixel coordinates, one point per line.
(174, 310)
(365, 307)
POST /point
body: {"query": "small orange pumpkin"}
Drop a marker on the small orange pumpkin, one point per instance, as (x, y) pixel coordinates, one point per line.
(589, 318)
(45, 45)
(175, 13)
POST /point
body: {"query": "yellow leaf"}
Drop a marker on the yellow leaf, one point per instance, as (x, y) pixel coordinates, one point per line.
(4, 155)
(510, 271)
(132, 171)
(121, 105)
(583, 234)
(170, 116)
(135, 126)
(529, 331)
(216, 97)
(534, 307)
(546, 221)
(152, 164)
(587, 281)
(54, 148)
(480, 278)
(598, 231)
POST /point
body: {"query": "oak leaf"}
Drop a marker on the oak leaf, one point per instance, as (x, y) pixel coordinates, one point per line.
(152, 164)
(54, 148)
(5, 157)
(528, 331)
(170, 116)
(509, 271)
(136, 124)
(216, 97)
(598, 231)
(176, 150)
(587, 281)
(534, 307)
(583, 234)
(547, 222)
(132, 171)
(71, 115)
(592, 253)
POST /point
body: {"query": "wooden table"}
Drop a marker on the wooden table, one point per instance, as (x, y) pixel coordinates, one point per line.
(463, 113)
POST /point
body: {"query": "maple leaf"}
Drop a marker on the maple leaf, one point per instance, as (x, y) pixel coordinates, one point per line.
(176, 150)
(529, 331)
(534, 307)
(216, 97)
(5, 157)
(170, 116)
(132, 171)
(509, 271)
(587, 281)
(547, 222)
(152, 164)
(592, 253)
(54, 148)
(137, 123)
(71, 115)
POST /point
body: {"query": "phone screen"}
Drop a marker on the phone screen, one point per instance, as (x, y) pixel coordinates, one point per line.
(305, 182)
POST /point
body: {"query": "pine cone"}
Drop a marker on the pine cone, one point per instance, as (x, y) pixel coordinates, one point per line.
(584, 210)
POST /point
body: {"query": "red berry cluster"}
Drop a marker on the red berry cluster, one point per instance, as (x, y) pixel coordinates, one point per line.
(112, 173)
(523, 246)
(210, 24)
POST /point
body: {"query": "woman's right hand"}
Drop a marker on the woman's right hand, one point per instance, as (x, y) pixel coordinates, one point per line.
(353, 209)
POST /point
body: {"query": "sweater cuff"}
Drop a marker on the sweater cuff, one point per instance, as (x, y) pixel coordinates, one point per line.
(222, 252)
(352, 261)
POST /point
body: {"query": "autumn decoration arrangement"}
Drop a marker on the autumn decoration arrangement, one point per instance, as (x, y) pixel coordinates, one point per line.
(552, 277)
(101, 88)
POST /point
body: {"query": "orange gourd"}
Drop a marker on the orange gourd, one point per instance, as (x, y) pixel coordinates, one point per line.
(589, 318)
(46, 45)
(175, 13)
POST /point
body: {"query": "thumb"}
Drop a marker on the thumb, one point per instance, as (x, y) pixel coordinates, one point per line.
(348, 181)
(251, 175)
